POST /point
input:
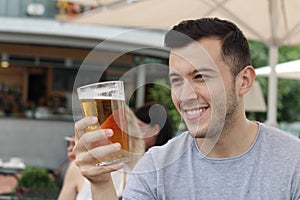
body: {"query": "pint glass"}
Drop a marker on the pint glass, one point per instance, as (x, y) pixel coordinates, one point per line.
(106, 101)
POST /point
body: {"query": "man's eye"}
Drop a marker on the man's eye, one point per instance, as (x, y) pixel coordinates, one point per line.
(175, 80)
(199, 76)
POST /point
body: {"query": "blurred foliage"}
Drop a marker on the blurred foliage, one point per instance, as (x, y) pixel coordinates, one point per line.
(36, 178)
(288, 100)
(36, 183)
(259, 54)
(161, 92)
(288, 104)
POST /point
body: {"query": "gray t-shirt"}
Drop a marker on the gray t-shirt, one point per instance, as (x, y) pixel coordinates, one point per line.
(270, 169)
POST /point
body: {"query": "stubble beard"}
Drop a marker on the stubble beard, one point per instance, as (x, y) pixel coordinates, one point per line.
(220, 124)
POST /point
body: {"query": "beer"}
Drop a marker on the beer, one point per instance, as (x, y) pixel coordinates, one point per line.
(111, 114)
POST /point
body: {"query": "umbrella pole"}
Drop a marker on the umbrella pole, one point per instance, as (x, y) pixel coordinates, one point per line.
(141, 81)
(272, 88)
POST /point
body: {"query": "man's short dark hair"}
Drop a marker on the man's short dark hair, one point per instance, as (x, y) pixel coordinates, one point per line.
(235, 50)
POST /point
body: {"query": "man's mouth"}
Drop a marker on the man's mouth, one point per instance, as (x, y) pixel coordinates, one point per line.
(195, 112)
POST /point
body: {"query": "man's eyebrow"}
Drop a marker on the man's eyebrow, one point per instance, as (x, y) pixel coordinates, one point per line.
(173, 74)
(203, 69)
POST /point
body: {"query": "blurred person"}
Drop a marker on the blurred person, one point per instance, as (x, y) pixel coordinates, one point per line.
(8, 183)
(73, 181)
(156, 124)
(8, 103)
(223, 155)
(70, 152)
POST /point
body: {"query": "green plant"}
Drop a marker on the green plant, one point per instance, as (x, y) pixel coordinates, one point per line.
(35, 183)
(161, 92)
(36, 178)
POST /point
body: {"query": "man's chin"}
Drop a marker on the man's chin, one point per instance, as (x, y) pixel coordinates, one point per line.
(200, 136)
(195, 130)
(203, 134)
(196, 134)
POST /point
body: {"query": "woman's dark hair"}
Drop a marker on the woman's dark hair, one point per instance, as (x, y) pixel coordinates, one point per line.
(155, 113)
(235, 50)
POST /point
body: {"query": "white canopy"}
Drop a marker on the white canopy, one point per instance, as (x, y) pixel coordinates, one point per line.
(254, 99)
(269, 21)
(91, 2)
(289, 70)
(274, 22)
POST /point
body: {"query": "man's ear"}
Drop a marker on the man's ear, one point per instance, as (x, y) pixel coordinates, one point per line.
(247, 77)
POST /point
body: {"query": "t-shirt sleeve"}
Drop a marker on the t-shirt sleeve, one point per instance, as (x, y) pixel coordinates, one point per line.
(142, 182)
(296, 183)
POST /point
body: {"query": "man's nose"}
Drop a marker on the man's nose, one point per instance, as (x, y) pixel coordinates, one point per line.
(187, 92)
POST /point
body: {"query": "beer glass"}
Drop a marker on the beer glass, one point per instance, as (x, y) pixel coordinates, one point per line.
(106, 101)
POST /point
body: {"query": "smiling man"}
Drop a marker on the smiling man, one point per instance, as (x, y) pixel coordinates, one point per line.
(223, 155)
(208, 88)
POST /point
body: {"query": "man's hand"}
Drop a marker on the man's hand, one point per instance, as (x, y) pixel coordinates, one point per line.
(93, 145)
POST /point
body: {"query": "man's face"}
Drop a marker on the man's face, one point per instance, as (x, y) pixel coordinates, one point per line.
(202, 87)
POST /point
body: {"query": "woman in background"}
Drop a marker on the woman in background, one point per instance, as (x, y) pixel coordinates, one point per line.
(155, 123)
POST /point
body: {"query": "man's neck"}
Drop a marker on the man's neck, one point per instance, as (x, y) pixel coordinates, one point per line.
(232, 142)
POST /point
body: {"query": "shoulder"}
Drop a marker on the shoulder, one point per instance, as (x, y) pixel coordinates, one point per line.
(162, 156)
(73, 176)
(279, 140)
(73, 169)
(275, 135)
(72, 182)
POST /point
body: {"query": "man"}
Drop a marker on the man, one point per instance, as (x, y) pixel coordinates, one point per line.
(223, 155)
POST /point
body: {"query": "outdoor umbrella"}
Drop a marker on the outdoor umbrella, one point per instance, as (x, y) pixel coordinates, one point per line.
(274, 22)
(287, 70)
(90, 2)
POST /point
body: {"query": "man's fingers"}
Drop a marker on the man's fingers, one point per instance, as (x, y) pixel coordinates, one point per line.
(96, 135)
(103, 151)
(90, 156)
(81, 125)
(94, 171)
(95, 138)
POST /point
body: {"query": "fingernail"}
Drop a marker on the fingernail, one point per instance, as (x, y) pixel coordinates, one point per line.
(109, 132)
(94, 119)
(117, 146)
(120, 165)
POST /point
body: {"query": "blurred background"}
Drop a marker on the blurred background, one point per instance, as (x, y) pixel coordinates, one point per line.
(41, 52)
(45, 44)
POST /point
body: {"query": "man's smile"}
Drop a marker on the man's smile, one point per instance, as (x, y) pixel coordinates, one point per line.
(194, 113)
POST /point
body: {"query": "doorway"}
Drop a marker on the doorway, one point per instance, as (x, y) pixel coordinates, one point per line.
(37, 88)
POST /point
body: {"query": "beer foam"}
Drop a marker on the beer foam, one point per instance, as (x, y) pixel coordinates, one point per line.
(112, 91)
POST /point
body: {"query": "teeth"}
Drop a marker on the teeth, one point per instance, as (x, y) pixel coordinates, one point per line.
(195, 112)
